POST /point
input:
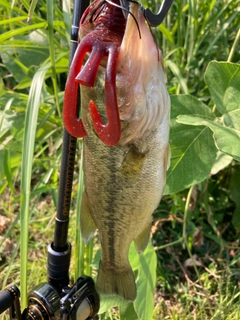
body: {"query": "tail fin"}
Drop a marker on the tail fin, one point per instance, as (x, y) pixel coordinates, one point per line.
(113, 283)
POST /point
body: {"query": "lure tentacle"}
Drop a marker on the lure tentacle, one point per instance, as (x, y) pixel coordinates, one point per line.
(102, 42)
(73, 124)
(110, 132)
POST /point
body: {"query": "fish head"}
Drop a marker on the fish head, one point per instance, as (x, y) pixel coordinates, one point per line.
(143, 99)
(123, 46)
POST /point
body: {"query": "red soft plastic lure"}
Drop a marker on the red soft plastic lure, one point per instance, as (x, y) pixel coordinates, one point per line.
(103, 41)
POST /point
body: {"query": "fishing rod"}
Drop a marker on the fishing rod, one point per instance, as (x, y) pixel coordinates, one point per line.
(55, 299)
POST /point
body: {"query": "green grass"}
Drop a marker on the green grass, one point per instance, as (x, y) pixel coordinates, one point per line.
(33, 68)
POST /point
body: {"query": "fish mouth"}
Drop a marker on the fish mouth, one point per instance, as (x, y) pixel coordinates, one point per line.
(102, 29)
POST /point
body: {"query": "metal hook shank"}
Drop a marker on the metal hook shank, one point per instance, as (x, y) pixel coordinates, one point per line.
(156, 19)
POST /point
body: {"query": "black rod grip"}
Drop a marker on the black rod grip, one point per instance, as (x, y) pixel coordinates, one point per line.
(6, 300)
(58, 267)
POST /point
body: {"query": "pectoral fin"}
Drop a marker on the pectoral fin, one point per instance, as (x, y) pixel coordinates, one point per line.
(142, 239)
(167, 157)
(86, 221)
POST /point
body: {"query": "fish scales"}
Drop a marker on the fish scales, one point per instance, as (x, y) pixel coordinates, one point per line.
(124, 183)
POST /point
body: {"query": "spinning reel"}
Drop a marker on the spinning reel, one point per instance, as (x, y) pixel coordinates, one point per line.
(78, 302)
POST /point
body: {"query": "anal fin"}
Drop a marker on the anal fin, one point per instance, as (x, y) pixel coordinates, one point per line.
(142, 239)
(86, 221)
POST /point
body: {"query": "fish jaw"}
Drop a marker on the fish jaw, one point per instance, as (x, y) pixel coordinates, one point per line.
(141, 77)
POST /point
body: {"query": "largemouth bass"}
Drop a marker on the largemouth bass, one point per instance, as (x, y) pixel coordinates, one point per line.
(124, 182)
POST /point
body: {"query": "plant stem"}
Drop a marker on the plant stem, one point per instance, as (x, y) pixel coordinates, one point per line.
(169, 244)
(234, 46)
(185, 217)
(79, 252)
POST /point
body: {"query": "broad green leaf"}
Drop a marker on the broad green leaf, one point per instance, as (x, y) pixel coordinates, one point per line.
(127, 312)
(142, 308)
(193, 151)
(187, 104)
(107, 302)
(221, 162)
(232, 119)
(146, 282)
(223, 80)
(227, 139)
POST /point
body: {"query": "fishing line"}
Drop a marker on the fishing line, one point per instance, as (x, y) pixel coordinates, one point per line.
(133, 1)
(93, 18)
(91, 10)
(126, 10)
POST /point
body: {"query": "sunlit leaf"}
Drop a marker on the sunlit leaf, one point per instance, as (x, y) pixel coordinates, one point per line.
(192, 148)
(221, 162)
(223, 80)
(146, 282)
(127, 311)
(227, 139)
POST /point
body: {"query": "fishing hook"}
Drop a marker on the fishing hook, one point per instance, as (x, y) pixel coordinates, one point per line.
(155, 20)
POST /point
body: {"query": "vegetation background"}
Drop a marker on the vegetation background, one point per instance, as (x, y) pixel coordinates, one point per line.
(196, 228)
